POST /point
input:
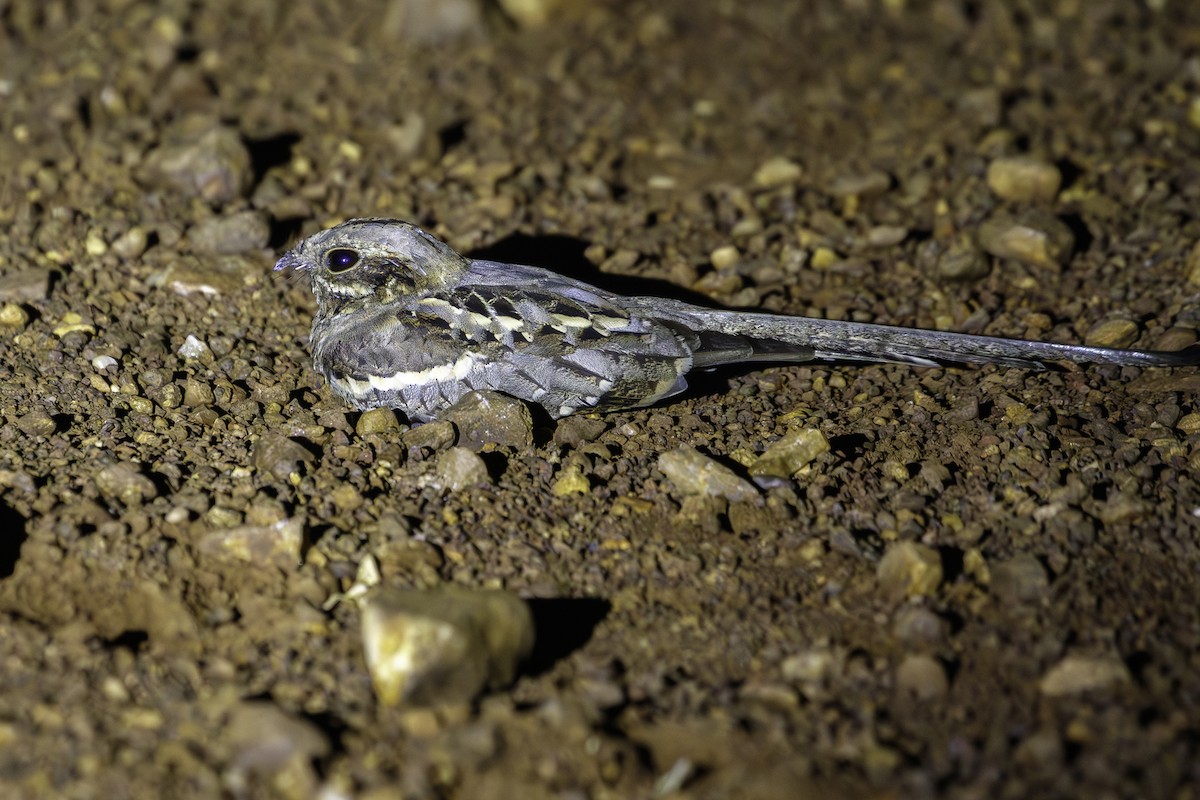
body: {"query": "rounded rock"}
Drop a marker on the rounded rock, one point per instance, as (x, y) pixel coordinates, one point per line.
(459, 468)
(1112, 333)
(1019, 580)
(963, 264)
(444, 645)
(695, 474)
(377, 420)
(922, 677)
(1078, 674)
(790, 453)
(236, 233)
(125, 483)
(914, 625)
(1035, 237)
(1022, 179)
(211, 164)
(489, 419)
(909, 569)
(777, 171)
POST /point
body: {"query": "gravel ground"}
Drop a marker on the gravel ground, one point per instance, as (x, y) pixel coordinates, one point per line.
(984, 587)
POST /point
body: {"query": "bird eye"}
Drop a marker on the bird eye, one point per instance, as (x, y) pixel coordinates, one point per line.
(341, 259)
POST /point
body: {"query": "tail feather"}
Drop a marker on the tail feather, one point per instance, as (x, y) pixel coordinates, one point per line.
(774, 337)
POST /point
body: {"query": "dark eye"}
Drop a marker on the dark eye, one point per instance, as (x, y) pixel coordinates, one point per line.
(341, 259)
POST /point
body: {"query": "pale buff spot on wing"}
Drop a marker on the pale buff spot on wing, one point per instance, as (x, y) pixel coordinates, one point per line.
(605, 323)
(510, 323)
(570, 322)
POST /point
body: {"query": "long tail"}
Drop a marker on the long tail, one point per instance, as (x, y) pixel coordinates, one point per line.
(774, 337)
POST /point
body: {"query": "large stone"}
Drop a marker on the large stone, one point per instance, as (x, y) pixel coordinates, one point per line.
(695, 474)
(211, 163)
(488, 419)
(445, 645)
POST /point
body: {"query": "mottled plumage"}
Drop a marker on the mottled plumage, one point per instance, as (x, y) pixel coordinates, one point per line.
(405, 322)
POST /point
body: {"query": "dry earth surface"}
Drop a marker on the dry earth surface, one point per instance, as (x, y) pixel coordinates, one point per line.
(986, 587)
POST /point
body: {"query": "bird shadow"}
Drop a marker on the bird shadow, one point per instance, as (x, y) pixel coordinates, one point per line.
(565, 255)
(562, 626)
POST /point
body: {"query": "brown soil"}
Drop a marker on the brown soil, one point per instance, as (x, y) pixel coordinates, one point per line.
(688, 647)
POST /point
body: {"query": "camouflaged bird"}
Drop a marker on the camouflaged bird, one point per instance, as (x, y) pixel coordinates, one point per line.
(403, 321)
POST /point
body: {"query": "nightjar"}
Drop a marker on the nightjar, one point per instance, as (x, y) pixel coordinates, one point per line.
(403, 321)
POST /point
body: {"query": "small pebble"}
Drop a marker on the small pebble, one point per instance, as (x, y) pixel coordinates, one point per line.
(867, 184)
(124, 482)
(777, 171)
(1122, 507)
(1022, 179)
(459, 468)
(1019, 580)
(37, 423)
(915, 625)
(791, 452)
(377, 420)
(73, 323)
(962, 263)
(280, 456)
(1175, 338)
(576, 430)
(212, 164)
(809, 666)
(236, 233)
(26, 286)
(406, 137)
(1041, 750)
(198, 394)
(210, 274)
(488, 419)
(724, 257)
(1035, 237)
(983, 105)
(444, 645)
(571, 481)
(1078, 674)
(94, 244)
(266, 741)
(13, 316)
(886, 235)
(431, 21)
(909, 569)
(279, 543)
(437, 436)
(695, 474)
(922, 677)
(529, 13)
(132, 243)
(1112, 333)
(193, 348)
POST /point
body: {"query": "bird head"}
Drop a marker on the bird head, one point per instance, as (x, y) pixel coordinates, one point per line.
(383, 258)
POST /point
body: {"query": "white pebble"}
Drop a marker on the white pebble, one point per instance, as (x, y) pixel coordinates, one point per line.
(102, 363)
(192, 347)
